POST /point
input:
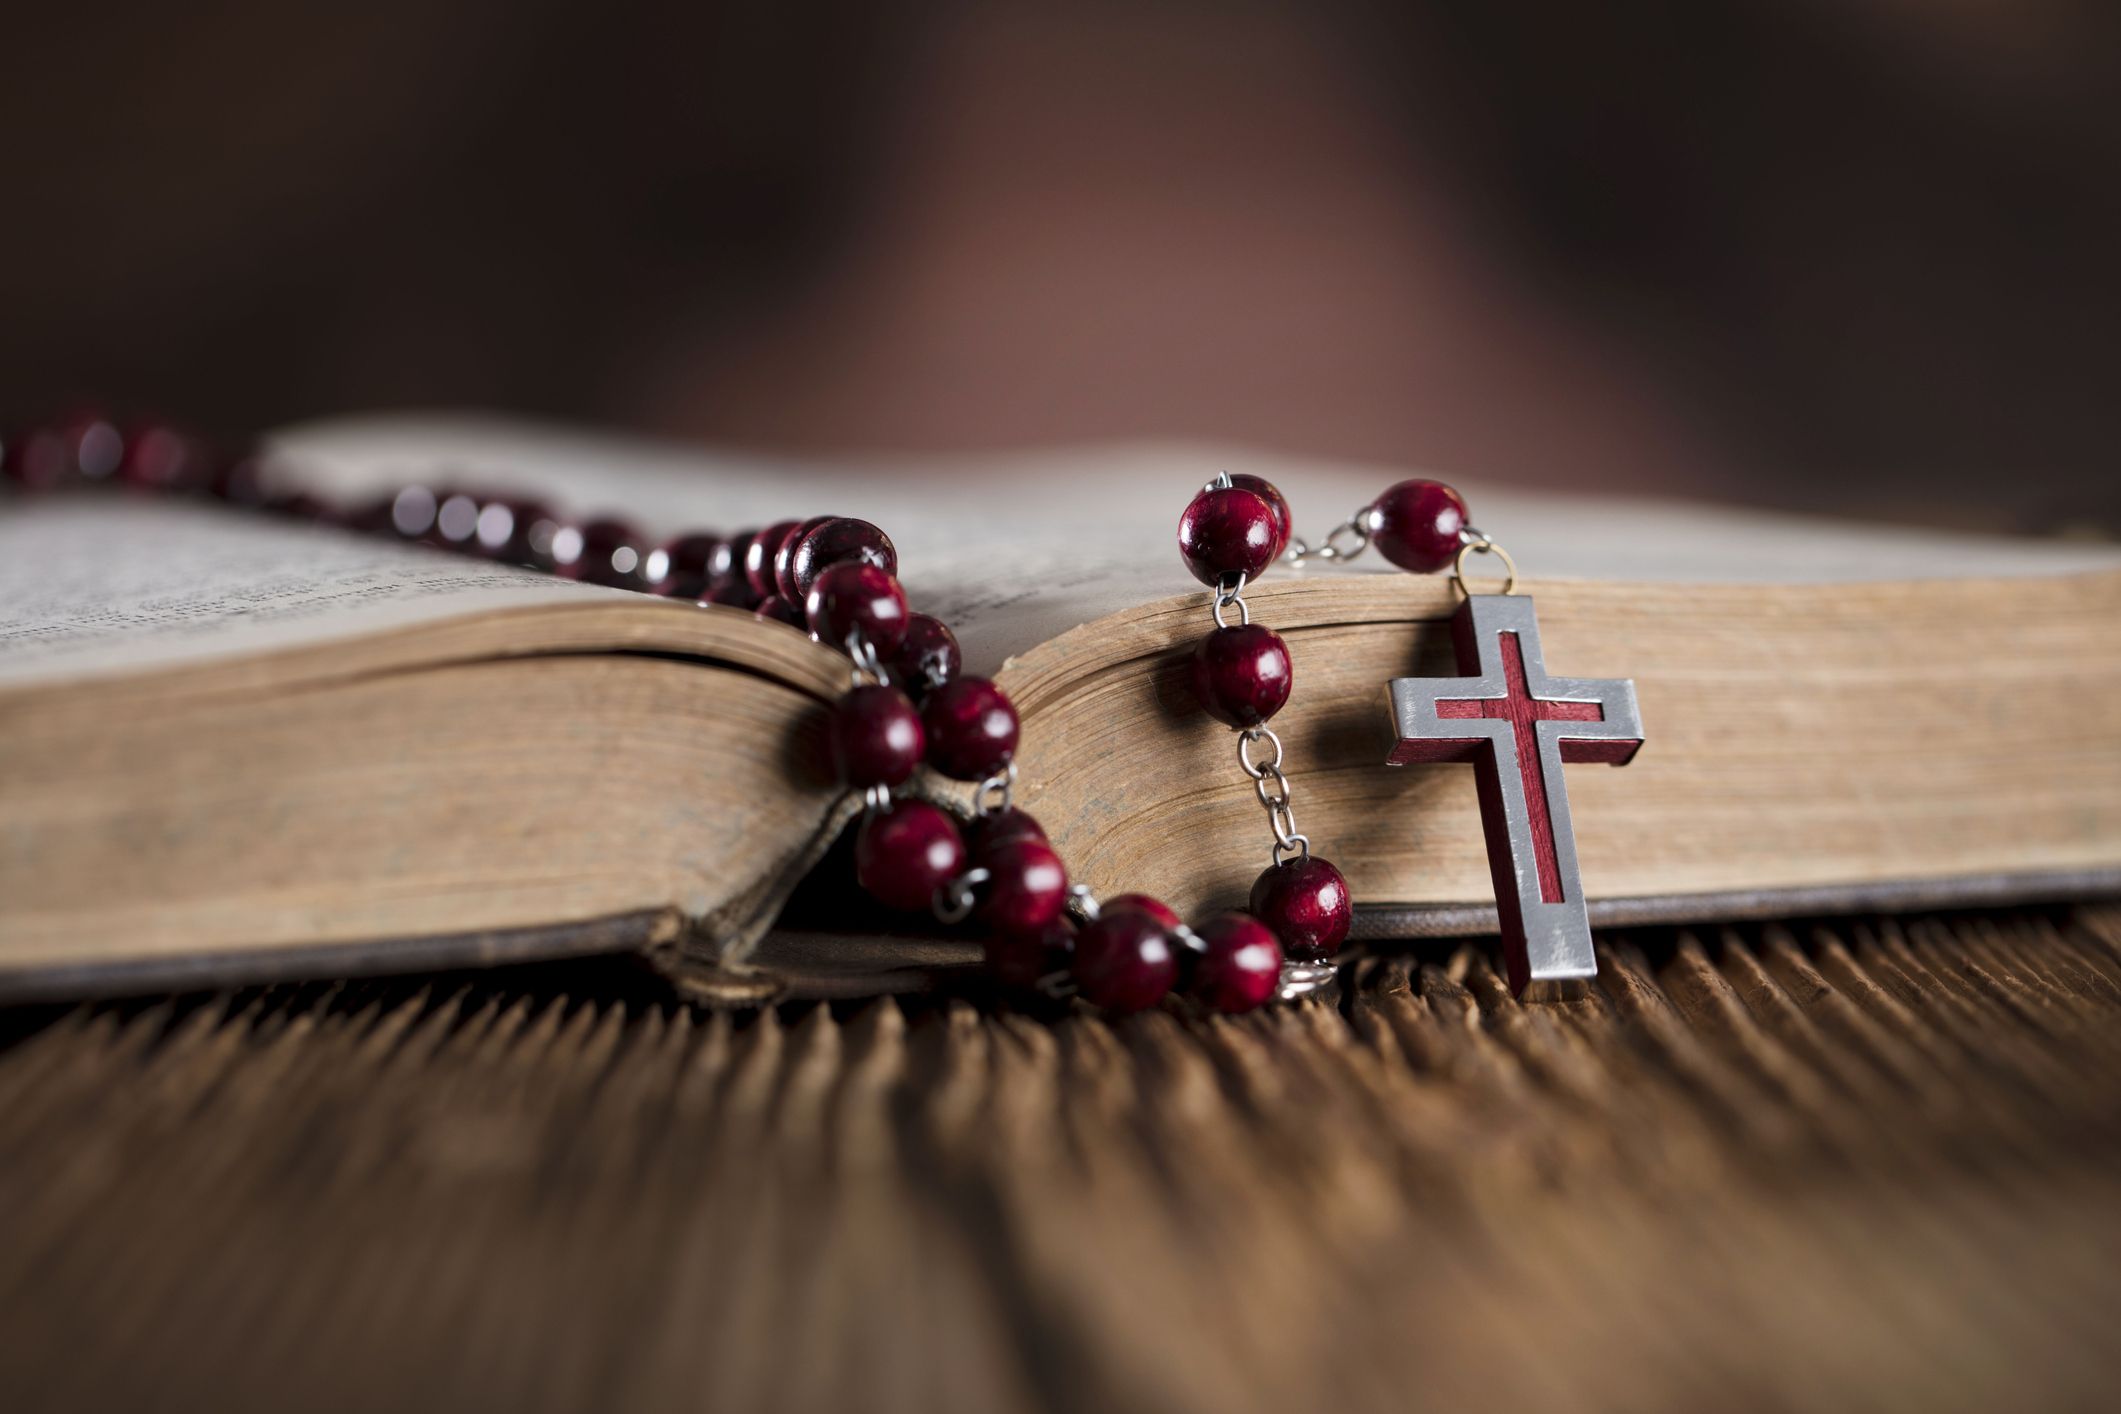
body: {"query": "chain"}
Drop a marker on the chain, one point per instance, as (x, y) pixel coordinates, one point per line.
(1342, 543)
(993, 795)
(868, 668)
(1273, 790)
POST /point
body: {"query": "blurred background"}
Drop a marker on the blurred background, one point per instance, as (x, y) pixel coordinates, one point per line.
(1856, 258)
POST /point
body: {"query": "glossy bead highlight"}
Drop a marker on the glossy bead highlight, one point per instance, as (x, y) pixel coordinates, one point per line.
(856, 597)
(1240, 968)
(876, 737)
(1284, 522)
(1415, 525)
(907, 851)
(1227, 530)
(1242, 674)
(835, 540)
(759, 555)
(1306, 903)
(927, 656)
(693, 564)
(1125, 961)
(972, 729)
(1028, 887)
(605, 551)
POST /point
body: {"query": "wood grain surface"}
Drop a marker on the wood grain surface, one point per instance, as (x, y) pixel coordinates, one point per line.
(1864, 1165)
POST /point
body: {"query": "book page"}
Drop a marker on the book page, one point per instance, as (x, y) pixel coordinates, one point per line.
(107, 584)
(1013, 549)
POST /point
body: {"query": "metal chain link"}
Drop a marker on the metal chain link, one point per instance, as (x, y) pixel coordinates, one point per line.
(1355, 531)
(868, 668)
(993, 795)
(953, 900)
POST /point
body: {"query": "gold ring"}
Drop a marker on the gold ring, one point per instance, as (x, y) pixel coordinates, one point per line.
(1483, 546)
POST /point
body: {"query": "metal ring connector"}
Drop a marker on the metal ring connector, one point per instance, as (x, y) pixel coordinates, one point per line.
(1300, 979)
(993, 795)
(866, 663)
(1228, 593)
(1245, 740)
(953, 901)
(1478, 544)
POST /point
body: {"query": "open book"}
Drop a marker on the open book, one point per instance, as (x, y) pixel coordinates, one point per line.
(238, 748)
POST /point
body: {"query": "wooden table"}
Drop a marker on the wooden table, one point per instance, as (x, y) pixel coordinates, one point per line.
(1870, 1165)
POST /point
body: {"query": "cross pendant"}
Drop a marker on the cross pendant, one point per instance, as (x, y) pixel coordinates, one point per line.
(1517, 725)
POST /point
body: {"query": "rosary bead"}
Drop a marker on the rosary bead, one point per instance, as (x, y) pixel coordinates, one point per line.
(242, 483)
(1415, 525)
(927, 656)
(1284, 521)
(834, 540)
(1156, 908)
(38, 460)
(1023, 960)
(1241, 966)
(997, 829)
(690, 565)
(1125, 961)
(778, 610)
(905, 852)
(876, 737)
(1026, 888)
(1306, 903)
(159, 458)
(1241, 674)
(972, 729)
(852, 598)
(1227, 531)
(759, 555)
(784, 556)
(605, 551)
(734, 591)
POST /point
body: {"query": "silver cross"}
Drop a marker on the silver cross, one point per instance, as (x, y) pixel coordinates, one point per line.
(1517, 725)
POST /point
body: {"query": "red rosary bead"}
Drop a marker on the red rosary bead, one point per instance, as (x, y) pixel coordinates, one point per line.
(905, 852)
(834, 540)
(1284, 521)
(690, 566)
(606, 551)
(927, 656)
(1415, 525)
(1024, 960)
(1226, 531)
(972, 729)
(993, 830)
(1240, 967)
(784, 559)
(38, 460)
(852, 598)
(1125, 961)
(1027, 885)
(1156, 908)
(159, 458)
(774, 609)
(876, 737)
(1306, 903)
(1242, 674)
(759, 555)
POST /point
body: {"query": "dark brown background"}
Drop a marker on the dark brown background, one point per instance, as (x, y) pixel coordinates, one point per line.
(1855, 257)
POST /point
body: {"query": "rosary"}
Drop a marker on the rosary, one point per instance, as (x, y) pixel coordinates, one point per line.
(908, 704)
